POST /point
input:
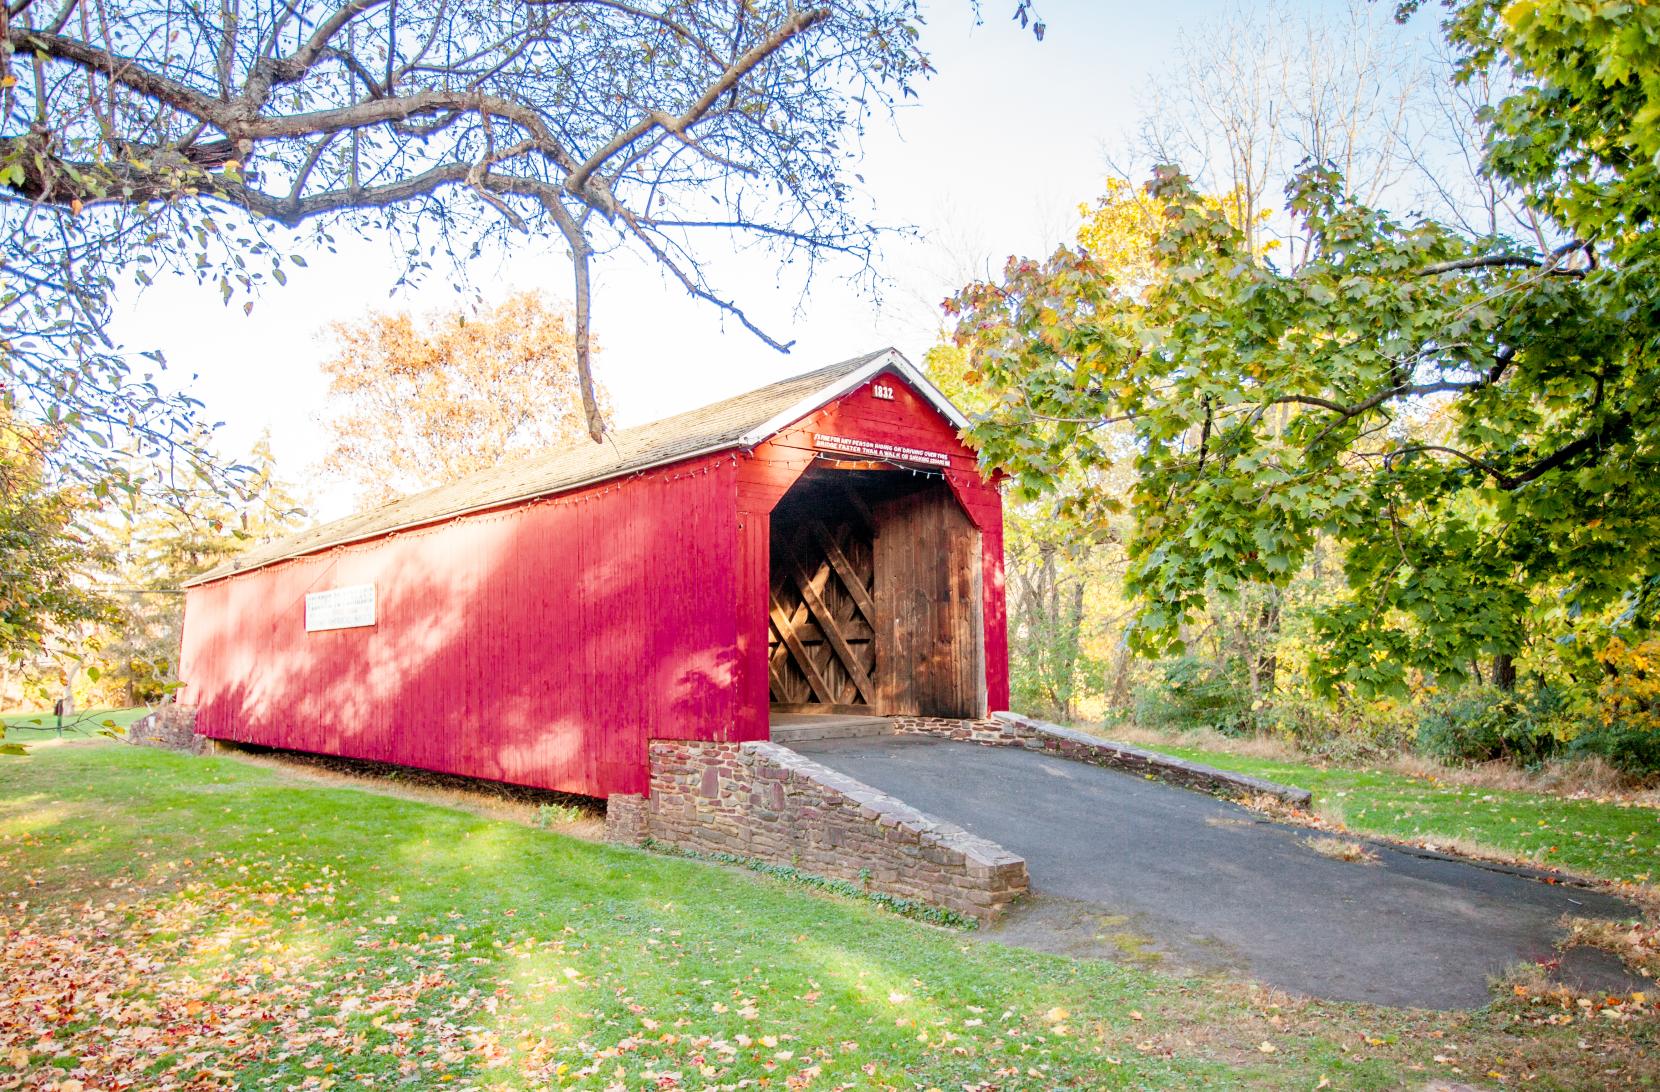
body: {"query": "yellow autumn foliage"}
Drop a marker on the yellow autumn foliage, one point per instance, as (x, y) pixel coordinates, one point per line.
(417, 401)
(1630, 690)
(1120, 228)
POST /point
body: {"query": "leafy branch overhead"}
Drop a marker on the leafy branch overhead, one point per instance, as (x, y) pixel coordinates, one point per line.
(657, 125)
(1473, 421)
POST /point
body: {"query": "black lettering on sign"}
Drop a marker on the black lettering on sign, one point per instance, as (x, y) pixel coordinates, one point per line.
(877, 449)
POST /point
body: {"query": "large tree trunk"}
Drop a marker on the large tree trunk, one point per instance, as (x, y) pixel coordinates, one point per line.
(1071, 647)
(1118, 691)
(1265, 670)
(1504, 672)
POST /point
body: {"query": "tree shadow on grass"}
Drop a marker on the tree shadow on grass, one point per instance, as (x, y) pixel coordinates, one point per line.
(378, 934)
(412, 943)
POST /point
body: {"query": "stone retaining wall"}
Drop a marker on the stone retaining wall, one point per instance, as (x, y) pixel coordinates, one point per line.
(172, 727)
(764, 801)
(1014, 730)
(989, 730)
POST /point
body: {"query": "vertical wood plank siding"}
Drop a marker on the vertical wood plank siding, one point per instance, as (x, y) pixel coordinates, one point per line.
(766, 474)
(541, 644)
(544, 643)
(926, 554)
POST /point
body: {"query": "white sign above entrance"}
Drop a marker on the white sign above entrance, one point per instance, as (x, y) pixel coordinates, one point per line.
(876, 449)
(340, 608)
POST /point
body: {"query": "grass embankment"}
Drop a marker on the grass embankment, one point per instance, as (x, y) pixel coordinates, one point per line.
(1609, 838)
(171, 920)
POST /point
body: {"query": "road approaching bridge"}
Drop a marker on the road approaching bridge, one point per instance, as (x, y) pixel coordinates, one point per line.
(1121, 861)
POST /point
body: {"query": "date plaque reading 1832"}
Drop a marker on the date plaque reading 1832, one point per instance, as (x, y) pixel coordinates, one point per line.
(340, 608)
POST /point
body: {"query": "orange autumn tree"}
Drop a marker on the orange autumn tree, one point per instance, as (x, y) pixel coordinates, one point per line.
(416, 403)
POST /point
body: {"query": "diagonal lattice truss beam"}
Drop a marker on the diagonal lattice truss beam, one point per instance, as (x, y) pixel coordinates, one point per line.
(823, 621)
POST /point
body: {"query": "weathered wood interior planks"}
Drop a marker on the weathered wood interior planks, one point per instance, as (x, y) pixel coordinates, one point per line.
(928, 587)
(873, 600)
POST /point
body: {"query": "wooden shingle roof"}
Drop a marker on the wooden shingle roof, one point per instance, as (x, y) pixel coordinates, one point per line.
(742, 421)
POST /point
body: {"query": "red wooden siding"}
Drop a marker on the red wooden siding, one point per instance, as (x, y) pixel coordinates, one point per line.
(544, 643)
(540, 644)
(767, 473)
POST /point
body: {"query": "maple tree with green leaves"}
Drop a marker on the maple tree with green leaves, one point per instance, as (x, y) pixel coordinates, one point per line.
(1472, 422)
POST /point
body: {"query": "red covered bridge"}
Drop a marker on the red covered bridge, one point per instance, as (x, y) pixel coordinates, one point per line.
(823, 544)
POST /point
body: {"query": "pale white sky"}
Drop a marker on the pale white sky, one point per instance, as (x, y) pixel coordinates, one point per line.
(1002, 146)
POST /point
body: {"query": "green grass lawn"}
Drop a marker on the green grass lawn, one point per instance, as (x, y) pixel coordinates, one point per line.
(208, 920)
(1606, 839)
(28, 727)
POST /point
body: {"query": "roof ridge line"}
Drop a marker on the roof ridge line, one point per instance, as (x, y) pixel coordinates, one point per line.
(509, 476)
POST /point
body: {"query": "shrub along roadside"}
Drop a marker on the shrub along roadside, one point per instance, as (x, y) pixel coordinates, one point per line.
(1477, 724)
(1527, 726)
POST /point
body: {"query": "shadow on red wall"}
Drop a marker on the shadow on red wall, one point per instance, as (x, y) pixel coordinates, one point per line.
(540, 645)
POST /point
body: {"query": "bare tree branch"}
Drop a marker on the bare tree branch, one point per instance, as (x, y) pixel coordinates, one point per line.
(617, 122)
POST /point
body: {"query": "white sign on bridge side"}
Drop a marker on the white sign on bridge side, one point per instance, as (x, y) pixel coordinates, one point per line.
(340, 608)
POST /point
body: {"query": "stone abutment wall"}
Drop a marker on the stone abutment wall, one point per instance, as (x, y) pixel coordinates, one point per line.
(1014, 730)
(172, 727)
(765, 802)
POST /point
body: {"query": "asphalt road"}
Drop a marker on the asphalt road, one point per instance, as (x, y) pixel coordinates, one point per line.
(1124, 867)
